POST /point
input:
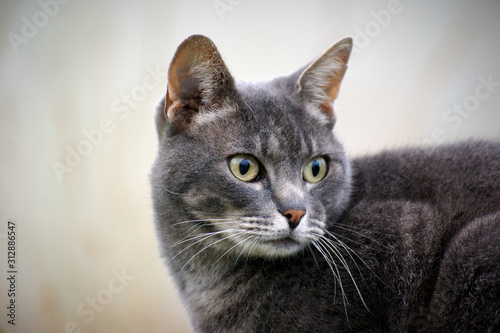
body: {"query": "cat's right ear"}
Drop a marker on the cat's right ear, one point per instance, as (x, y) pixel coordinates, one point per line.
(198, 83)
(319, 83)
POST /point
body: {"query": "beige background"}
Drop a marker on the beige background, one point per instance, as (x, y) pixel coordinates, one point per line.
(87, 65)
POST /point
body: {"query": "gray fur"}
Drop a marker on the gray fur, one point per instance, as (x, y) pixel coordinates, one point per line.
(401, 241)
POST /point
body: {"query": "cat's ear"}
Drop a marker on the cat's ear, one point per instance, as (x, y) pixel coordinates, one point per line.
(198, 82)
(319, 83)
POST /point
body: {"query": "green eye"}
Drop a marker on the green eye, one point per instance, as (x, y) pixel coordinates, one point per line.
(244, 167)
(315, 170)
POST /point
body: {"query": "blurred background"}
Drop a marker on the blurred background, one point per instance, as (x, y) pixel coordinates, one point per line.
(79, 82)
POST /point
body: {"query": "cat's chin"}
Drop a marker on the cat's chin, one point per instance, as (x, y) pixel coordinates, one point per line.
(277, 248)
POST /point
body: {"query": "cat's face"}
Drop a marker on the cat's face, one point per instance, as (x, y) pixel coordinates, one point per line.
(248, 169)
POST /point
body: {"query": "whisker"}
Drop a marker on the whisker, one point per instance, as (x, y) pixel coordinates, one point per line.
(312, 254)
(225, 214)
(172, 192)
(191, 238)
(203, 249)
(198, 226)
(237, 244)
(243, 249)
(335, 272)
(250, 251)
(338, 254)
(346, 247)
(349, 251)
(351, 229)
(203, 238)
(337, 236)
(199, 220)
(325, 247)
(251, 110)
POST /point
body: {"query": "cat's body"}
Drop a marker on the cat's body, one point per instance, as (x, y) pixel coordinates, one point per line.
(402, 241)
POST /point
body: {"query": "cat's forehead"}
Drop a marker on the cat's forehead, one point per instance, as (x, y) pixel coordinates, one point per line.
(277, 125)
(266, 120)
(272, 105)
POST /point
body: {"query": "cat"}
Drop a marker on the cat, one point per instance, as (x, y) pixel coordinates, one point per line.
(267, 226)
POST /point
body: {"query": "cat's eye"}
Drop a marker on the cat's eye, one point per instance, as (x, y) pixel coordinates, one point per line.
(244, 167)
(315, 170)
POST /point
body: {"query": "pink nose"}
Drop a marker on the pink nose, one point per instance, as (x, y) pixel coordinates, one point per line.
(294, 216)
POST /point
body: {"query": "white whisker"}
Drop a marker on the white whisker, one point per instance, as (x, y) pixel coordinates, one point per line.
(237, 244)
(244, 247)
(312, 254)
(192, 238)
(339, 256)
(349, 251)
(172, 192)
(199, 220)
(203, 249)
(203, 238)
(251, 247)
(351, 229)
(335, 271)
(198, 226)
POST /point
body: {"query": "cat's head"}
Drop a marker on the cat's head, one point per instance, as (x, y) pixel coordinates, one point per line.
(248, 168)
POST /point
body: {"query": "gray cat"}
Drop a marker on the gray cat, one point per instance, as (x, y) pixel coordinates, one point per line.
(267, 226)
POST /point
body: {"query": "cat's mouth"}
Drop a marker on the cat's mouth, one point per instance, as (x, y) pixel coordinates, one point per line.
(285, 243)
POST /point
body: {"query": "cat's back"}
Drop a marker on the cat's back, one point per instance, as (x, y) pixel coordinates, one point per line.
(460, 175)
(436, 215)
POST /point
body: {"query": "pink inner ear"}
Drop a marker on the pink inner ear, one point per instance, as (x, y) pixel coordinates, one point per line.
(197, 80)
(327, 109)
(193, 104)
(180, 114)
(334, 87)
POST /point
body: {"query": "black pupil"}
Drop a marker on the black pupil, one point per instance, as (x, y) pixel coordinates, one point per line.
(315, 168)
(244, 166)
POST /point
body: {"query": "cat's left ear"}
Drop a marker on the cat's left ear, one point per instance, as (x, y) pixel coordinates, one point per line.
(319, 83)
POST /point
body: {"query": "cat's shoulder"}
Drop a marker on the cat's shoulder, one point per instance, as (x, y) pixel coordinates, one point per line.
(471, 161)
(465, 174)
